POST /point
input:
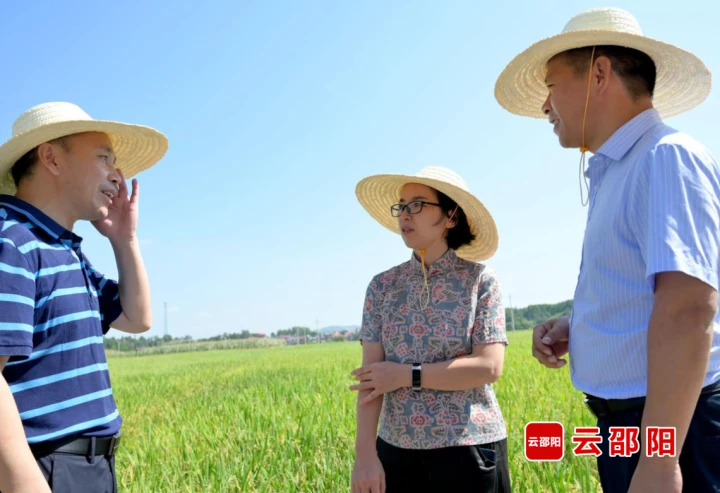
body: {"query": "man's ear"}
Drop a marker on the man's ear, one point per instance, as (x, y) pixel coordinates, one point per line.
(602, 70)
(49, 156)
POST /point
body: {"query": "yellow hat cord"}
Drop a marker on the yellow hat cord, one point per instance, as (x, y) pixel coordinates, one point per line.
(584, 148)
(423, 251)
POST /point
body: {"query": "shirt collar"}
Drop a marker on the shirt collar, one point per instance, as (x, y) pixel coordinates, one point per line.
(40, 219)
(618, 145)
(440, 266)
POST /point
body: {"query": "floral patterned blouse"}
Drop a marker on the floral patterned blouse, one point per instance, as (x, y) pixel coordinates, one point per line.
(465, 310)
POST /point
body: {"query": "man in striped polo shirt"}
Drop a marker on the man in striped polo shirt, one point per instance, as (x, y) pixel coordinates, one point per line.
(60, 424)
(644, 335)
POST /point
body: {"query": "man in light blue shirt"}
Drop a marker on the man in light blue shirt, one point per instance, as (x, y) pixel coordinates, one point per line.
(644, 335)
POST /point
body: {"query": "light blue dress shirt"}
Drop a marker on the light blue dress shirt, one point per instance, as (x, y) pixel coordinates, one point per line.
(654, 207)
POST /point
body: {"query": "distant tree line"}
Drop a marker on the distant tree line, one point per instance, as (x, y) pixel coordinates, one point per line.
(532, 315)
(295, 332)
(130, 343)
(525, 319)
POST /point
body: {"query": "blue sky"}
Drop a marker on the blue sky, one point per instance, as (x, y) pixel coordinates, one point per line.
(275, 110)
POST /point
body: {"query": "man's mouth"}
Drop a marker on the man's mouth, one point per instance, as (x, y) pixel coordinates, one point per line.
(109, 194)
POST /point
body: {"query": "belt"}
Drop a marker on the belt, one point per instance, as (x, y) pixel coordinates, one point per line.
(86, 446)
(603, 408)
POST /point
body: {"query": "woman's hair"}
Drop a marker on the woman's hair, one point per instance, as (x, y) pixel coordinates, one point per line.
(460, 235)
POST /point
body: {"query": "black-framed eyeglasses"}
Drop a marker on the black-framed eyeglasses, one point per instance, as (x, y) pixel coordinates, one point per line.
(414, 207)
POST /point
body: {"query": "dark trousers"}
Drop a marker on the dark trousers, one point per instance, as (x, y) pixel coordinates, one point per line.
(66, 473)
(472, 468)
(699, 458)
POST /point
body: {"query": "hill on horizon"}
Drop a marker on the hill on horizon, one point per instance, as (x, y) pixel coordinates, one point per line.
(339, 328)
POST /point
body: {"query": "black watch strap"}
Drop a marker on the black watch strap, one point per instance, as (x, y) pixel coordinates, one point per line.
(417, 376)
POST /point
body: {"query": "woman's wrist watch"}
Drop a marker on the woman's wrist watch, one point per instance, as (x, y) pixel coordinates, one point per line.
(416, 376)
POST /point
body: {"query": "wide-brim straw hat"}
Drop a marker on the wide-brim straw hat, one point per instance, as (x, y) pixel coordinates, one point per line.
(378, 193)
(136, 147)
(683, 80)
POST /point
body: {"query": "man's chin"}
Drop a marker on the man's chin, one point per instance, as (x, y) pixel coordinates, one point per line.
(565, 144)
(99, 215)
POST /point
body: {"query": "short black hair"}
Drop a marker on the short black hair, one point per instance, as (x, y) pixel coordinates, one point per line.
(460, 235)
(24, 166)
(636, 69)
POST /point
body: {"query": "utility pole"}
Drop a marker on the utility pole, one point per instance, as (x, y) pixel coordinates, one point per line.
(512, 313)
(166, 320)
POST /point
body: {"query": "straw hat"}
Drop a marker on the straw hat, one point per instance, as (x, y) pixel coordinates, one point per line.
(683, 81)
(378, 193)
(136, 147)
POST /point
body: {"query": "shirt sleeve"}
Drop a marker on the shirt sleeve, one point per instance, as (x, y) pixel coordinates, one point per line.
(108, 294)
(17, 302)
(370, 330)
(489, 326)
(676, 214)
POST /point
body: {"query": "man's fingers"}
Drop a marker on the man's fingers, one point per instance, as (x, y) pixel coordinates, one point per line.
(557, 333)
(539, 339)
(135, 191)
(538, 355)
(548, 361)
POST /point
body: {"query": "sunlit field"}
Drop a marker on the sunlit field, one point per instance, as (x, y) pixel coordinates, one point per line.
(282, 420)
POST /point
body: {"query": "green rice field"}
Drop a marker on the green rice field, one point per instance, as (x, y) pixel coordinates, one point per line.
(283, 420)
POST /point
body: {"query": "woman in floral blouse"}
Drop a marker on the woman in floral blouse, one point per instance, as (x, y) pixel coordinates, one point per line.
(433, 336)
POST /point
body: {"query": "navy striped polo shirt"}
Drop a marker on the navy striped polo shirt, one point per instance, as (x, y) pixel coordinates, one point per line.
(54, 310)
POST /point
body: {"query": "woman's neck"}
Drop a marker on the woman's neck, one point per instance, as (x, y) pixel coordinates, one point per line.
(433, 253)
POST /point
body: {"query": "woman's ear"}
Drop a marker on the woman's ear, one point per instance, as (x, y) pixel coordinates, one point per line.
(452, 220)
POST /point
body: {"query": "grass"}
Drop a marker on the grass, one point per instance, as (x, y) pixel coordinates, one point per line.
(283, 420)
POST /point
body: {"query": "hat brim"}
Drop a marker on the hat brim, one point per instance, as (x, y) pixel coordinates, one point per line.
(683, 80)
(136, 147)
(378, 193)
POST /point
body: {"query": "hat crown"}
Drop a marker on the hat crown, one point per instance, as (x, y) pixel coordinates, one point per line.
(47, 113)
(605, 19)
(443, 174)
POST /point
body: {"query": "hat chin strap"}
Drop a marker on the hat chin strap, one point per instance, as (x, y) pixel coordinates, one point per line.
(584, 148)
(423, 251)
